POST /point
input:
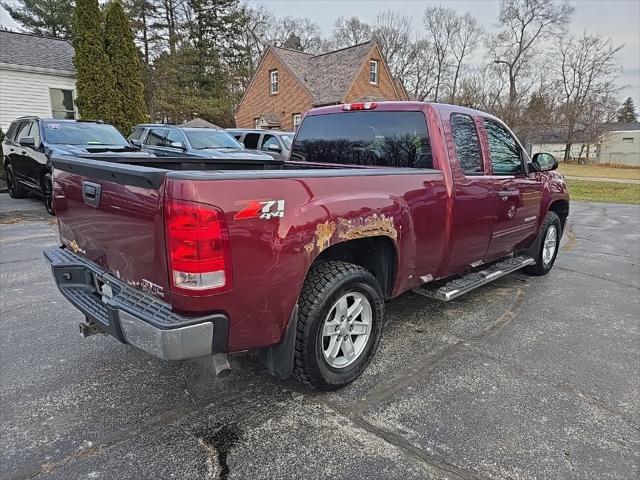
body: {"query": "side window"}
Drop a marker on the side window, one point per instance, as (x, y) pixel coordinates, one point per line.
(465, 137)
(506, 155)
(251, 140)
(136, 134)
(12, 131)
(35, 133)
(174, 136)
(269, 140)
(237, 136)
(155, 138)
(23, 131)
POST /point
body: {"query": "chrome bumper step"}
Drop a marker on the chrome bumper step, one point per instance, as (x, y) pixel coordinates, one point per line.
(451, 289)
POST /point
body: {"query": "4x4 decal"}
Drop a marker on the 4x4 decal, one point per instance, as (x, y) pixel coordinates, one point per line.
(264, 209)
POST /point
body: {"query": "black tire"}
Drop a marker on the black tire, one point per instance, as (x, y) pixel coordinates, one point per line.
(15, 189)
(541, 267)
(47, 193)
(325, 284)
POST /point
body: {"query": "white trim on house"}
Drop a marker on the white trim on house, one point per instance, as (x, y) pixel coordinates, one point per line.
(29, 69)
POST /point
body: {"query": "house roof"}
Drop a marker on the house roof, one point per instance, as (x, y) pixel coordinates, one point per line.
(35, 51)
(327, 76)
(199, 123)
(622, 126)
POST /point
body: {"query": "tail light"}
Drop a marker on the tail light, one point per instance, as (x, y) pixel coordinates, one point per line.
(198, 248)
(360, 106)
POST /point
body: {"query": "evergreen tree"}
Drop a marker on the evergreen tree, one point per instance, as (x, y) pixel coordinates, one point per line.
(628, 113)
(126, 67)
(94, 80)
(51, 18)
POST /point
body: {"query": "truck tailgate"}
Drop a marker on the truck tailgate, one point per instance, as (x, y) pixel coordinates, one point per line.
(112, 215)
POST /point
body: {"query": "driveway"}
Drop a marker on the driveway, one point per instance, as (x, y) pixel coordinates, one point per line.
(525, 378)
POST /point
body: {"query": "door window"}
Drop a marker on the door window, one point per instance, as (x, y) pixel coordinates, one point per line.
(506, 154)
(34, 132)
(251, 140)
(155, 138)
(465, 137)
(174, 136)
(24, 131)
(269, 140)
(136, 134)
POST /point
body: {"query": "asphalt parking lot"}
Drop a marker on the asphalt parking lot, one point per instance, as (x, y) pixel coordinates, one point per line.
(526, 378)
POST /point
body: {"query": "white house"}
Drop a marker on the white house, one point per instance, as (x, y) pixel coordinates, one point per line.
(37, 77)
(618, 145)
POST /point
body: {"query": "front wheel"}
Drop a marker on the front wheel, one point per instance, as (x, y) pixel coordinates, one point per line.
(13, 186)
(547, 245)
(340, 323)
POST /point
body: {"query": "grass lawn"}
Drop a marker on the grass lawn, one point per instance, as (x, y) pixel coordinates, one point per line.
(604, 191)
(576, 170)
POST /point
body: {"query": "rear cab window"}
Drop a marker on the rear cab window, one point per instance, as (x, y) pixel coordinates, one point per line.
(370, 138)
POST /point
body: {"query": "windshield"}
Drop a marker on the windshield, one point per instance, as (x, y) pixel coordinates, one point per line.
(384, 139)
(287, 140)
(81, 133)
(209, 138)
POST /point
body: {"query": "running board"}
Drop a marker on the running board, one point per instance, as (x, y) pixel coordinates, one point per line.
(461, 285)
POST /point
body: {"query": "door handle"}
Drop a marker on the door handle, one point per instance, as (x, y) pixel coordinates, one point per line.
(508, 193)
(91, 193)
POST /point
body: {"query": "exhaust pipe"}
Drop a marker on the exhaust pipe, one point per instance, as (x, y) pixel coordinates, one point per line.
(90, 328)
(221, 365)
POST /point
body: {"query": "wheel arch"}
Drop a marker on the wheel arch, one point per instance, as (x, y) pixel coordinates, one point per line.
(561, 208)
(378, 254)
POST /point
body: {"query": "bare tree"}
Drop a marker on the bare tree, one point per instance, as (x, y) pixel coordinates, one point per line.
(441, 24)
(587, 70)
(463, 44)
(350, 31)
(522, 25)
(394, 32)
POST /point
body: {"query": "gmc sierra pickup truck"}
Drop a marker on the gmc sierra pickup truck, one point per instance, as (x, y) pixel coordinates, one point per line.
(295, 259)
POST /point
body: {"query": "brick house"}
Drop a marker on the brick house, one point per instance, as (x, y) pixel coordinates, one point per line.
(289, 82)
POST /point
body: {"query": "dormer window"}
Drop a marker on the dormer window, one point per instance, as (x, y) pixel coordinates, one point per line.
(274, 82)
(373, 72)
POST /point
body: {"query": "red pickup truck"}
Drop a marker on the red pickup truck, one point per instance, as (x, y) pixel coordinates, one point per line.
(294, 259)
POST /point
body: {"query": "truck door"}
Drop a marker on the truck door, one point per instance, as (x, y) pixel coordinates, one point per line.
(19, 158)
(474, 195)
(517, 194)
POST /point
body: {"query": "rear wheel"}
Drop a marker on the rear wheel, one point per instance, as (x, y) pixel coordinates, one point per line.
(340, 323)
(47, 193)
(547, 245)
(15, 189)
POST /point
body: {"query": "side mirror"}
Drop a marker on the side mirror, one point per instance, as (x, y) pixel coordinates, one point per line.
(179, 145)
(28, 142)
(274, 148)
(544, 162)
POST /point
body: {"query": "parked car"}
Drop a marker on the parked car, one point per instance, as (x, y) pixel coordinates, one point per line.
(275, 143)
(297, 263)
(201, 142)
(31, 142)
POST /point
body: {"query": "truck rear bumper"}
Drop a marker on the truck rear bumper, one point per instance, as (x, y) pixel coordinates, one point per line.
(132, 316)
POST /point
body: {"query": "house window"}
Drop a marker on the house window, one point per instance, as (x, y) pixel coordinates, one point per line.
(274, 81)
(627, 139)
(373, 72)
(297, 119)
(62, 103)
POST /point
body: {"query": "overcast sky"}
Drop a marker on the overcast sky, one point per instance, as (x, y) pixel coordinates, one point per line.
(618, 19)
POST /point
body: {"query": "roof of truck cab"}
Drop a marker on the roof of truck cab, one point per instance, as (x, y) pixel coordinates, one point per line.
(409, 106)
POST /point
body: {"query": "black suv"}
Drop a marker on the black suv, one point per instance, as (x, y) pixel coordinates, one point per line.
(31, 141)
